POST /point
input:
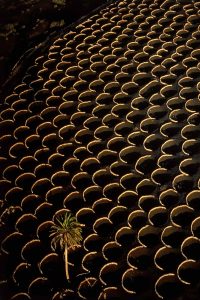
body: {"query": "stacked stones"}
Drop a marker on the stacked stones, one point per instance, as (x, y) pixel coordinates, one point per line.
(107, 125)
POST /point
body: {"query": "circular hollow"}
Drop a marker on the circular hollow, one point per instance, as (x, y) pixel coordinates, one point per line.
(72, 165)
(33, 251)
(189, 271)
(149, 236)
(102, 177)
(145, 187)
(161, 176)
(194, 119)
(81, 181)
(112, 251)
(121, 98)
(51, 141)
(119, 168)
(190, 132)
(22, 133)
(103, 133)
(90, 165)
(123, 128)
(92, 123)
(60, 178)
(178, 115)
(13, 243)
(118, 214)
(190, 248)
(50, 266)
(140, 257)
(189, 166)
(42, 172)
(101, 225)
(44, 230)
(41, 186)
(133, 281)
(183, 183)
(90, 259)
(157, 112)
(116, 143)
(39, 286)
(171, 146)
(158, 216)
(11, 172)
(73, 201)
(30, 203)
(84, 136)
(12, 193)
(191, 147)
(56, 196)
(137, 219)
(103, 98)
(125, 236)
(136, 138)
(167, 259)
(92, 242)
(170, 129)
(18, 150)
(145, 164)
(89, 288)
(168, 286)
(173, 236)
(130, 154)
(192, 200)
(153, 142)
(128, 199)
(102, 206)
(110, 274)
(107, 157)
(95, 146)
(148, 125)
(92, 193)
(78, 118)
(168, 161)
(169, 198)
(86, 216)
(146, 203)
(26, 224)
(112, 191)
(86, 107)
(130, 181)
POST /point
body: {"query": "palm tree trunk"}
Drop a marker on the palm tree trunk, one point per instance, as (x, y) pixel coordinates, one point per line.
(66, 262)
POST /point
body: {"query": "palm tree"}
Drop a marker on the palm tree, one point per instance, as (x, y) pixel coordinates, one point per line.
(68, 234)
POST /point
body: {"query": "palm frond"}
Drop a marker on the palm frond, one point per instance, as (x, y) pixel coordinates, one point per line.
(67, 230)
(66, 233)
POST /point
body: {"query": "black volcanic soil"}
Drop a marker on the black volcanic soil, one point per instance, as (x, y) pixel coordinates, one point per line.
(105, 123)
(25, 24)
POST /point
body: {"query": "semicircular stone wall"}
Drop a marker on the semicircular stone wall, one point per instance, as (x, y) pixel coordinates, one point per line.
(106, 124)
